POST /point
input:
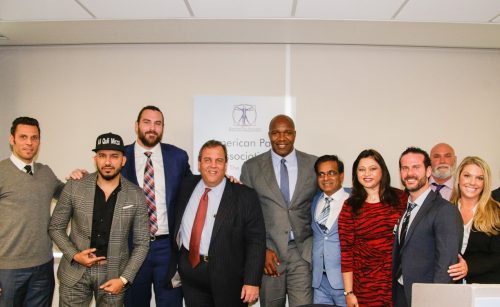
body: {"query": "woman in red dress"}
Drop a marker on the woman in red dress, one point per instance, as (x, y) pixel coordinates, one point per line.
(366, 225)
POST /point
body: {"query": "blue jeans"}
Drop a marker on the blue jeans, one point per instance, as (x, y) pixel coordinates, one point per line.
(32, 286)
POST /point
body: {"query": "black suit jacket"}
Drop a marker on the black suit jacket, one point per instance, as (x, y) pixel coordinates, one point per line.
(238, 244)
(432, 244)
(483, 258)
(496, 194)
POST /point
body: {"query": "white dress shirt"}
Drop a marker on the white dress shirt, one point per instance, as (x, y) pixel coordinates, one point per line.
(214, 198)
(20, 164)
(338, 199)
(159, 178)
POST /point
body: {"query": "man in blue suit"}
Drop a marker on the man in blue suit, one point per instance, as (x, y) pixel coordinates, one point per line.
(326, 274)
(158, 168)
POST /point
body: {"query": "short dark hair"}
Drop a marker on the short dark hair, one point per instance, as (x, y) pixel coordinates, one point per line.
(23, 120)
(152, 108)
(212, 144)
(416, 150)
(327, 158)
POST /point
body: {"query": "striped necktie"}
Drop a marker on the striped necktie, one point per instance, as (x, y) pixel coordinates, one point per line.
(149, 192)
(324, 214)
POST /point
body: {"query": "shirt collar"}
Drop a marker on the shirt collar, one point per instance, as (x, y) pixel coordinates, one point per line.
(141, 150)
(218, 189)
(335, 196)
(290, 158)
(20, 164)
(448, 183)
(420, 200)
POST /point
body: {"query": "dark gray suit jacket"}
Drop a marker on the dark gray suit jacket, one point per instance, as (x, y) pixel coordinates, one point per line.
(258, 174)
(76, 204)
(432, 244)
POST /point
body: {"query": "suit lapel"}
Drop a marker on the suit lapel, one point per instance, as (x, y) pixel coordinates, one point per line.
(267, 168)
(88, 202)
(130, 165)
(224, 210)
(422, 212)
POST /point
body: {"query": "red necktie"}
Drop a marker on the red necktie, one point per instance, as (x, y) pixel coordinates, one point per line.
(199, 222)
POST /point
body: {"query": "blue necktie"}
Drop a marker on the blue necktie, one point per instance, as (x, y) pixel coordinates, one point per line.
(284, 183)
(324, 214)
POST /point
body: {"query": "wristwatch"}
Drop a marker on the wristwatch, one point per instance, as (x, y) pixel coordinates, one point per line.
(346, 293)
(124, 280)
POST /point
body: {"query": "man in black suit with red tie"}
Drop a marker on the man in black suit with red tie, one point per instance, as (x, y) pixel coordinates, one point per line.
(219, 236)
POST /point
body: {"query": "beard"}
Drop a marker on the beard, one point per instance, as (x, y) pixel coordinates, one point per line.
(109, 176)
(150, 142)
(442, 171)
(420, 183)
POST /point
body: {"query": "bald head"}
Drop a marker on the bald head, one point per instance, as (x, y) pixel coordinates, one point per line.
(443, 161)
(282, 134)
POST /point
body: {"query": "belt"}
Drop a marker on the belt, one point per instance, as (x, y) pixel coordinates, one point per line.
(159, 237)
(204, 258)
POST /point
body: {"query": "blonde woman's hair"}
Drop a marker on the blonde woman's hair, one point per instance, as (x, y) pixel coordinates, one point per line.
(487, 216)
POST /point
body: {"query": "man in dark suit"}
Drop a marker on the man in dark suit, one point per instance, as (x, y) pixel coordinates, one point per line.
(220, 236)
(158, 168)
(104, 210)
(285, 181)
(428, 235)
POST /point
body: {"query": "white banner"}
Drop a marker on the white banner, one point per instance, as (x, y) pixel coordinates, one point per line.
(240, 122)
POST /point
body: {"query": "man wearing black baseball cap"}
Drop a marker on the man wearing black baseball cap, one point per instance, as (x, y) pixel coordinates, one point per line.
(104, 209)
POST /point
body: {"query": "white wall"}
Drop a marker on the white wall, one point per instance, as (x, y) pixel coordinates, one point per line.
(348, 97)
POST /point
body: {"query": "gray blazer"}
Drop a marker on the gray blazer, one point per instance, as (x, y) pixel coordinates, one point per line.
(76, 203)
(258, 174)
(432, 244)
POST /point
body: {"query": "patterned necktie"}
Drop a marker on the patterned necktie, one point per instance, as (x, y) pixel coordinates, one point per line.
(438, 187)
(27, 167)
(149, 191)
(323, 215)
(199, 222)
(406, 221)
(284, 182)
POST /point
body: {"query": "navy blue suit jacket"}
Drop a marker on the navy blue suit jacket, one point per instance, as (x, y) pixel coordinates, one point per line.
(175, 167)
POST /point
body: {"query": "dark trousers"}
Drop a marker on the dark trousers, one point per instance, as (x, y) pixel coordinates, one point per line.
(399, 296)
(195, 282)
(32, 286)
(154, 271)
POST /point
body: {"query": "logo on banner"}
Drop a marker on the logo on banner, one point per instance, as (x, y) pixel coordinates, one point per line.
(244, 115)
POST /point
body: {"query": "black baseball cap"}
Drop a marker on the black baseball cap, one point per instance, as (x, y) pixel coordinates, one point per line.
(109, 141)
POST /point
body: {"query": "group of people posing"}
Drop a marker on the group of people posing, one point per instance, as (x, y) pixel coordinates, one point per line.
(289, 231)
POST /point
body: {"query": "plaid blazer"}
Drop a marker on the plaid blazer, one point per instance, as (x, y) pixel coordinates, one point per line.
(76, 203)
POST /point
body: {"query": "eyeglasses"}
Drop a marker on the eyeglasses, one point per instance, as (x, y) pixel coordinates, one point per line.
(328, 174)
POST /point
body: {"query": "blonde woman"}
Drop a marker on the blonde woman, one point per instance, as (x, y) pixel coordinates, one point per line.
(481, 217)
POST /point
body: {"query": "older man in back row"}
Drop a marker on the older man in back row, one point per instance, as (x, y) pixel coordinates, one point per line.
(443, 162)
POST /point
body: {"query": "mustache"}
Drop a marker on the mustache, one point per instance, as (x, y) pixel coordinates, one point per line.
(410, 177)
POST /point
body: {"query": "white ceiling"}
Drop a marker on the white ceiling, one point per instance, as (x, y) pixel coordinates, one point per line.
(449, 23)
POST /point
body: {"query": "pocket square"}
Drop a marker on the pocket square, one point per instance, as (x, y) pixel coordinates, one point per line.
(126, 207)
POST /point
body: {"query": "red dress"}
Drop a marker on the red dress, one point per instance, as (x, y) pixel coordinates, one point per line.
(366, 249)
